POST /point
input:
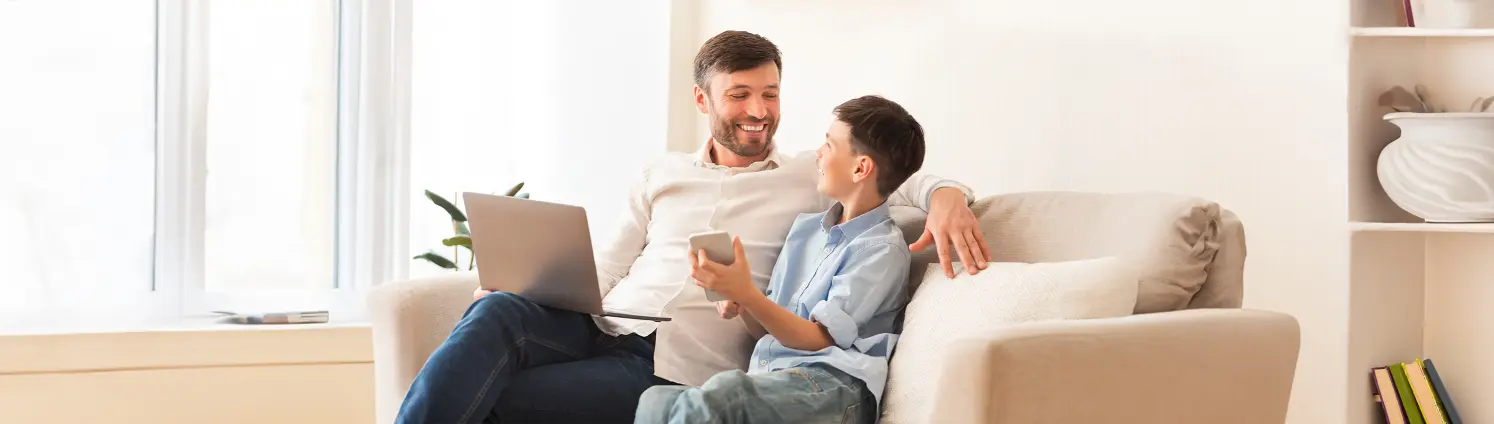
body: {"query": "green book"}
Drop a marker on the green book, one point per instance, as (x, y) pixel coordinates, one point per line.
(1408, 399)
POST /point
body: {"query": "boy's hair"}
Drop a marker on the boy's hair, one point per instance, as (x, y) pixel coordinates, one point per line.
(732, 51)
(886, 132)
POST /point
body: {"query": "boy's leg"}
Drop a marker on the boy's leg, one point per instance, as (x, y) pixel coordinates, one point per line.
(603, 389)
(499, 335)
(800, 395)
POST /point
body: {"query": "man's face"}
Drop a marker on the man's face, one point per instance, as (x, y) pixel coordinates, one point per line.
(742, 108)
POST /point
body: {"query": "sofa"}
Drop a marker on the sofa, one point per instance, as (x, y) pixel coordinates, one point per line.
(1186, 353)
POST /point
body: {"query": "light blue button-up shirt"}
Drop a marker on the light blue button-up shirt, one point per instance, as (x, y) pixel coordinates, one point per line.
(852, 279)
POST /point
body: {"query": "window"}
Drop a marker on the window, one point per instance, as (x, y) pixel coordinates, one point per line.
(77, 132)
(179, 156)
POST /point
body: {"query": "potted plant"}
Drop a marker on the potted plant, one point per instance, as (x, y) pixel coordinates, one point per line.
(461, 237)
(1441, 168)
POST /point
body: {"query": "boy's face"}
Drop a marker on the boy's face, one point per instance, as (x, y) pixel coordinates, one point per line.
(840, 168)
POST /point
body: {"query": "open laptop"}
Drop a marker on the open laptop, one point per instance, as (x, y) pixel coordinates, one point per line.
(538, 250)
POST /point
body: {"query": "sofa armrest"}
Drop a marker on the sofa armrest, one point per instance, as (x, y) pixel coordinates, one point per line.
(1191, 366)
(410, 319)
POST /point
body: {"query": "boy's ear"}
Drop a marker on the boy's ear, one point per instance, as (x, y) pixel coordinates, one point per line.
(864, 168)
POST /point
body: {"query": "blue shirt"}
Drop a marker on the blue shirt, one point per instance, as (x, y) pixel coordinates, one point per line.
(852, 279)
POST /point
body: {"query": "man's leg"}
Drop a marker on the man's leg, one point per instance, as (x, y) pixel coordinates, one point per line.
(795, 395)
(603, 389)
(499, 335)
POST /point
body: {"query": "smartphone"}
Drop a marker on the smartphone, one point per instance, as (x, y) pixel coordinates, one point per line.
(718, 249)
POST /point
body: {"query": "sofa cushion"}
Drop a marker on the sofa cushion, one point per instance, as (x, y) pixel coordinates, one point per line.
(945, 310)
(1173, 237)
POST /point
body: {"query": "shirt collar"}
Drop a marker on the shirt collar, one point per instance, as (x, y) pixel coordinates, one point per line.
(856, 225)
(703, 158)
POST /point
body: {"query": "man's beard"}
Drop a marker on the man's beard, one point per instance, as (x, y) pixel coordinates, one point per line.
(725, 134)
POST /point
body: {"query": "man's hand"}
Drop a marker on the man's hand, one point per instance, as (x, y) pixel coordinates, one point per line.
(479, 293)
(951, 224)
(728, 309)
(733, 282)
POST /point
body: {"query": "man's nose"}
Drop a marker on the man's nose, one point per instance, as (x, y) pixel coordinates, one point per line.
(757, 109)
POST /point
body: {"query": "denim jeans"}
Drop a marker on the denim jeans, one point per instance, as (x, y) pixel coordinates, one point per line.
(809, 394)
(511, 360)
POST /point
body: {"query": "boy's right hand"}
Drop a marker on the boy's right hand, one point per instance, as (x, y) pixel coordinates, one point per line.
(728, 309)
(479, 293)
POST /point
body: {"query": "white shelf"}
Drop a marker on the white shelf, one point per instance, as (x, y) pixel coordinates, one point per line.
(1422, 227)
(1421, 32)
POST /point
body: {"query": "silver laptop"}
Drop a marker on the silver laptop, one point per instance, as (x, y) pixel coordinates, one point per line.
(538, 250)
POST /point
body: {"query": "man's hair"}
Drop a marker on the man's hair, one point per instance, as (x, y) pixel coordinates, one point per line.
(886, 132)
(733, 51)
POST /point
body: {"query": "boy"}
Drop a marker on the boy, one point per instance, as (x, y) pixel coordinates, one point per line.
(826, 322)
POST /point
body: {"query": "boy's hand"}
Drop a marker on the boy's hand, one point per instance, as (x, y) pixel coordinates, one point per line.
(728, 309)
(733, 282)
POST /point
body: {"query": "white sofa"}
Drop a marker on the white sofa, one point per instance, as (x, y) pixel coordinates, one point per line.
(1189, 354)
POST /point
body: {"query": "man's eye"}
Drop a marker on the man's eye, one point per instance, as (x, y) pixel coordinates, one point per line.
(739, 96)
(771, 96)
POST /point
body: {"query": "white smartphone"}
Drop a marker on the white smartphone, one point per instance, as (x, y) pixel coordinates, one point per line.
(718, 249)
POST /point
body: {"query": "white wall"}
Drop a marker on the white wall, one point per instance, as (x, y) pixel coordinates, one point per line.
(1239, 102)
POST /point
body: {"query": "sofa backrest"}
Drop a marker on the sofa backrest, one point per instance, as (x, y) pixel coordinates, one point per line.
(1190, 250)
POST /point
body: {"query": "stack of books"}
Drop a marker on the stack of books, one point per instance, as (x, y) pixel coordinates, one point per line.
(1413, 393)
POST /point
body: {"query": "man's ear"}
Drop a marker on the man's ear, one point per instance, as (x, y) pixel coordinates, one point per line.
(700, 99)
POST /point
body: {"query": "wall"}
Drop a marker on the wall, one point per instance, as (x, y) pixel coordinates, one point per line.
(1239, 102)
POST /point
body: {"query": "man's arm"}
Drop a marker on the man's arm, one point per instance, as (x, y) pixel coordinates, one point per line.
(629, 237)
(951, 225)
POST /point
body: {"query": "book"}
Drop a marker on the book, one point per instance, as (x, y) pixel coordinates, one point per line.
(1403, 389)
(1385, 394)
(1442, 396)
(1426, 399)
(289, 317)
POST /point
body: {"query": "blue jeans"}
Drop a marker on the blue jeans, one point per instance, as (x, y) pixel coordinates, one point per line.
(809, 394)
(511, 360)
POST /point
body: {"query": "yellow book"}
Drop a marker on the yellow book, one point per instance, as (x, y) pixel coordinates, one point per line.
(1426, 399)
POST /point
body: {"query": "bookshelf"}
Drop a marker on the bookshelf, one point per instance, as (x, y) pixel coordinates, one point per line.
(1416, 289)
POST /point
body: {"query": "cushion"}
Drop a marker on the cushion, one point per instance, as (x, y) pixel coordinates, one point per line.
(944, 310)
(1174, 237)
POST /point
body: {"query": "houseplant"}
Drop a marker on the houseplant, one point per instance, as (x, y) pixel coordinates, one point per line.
(461, 237)
(1441, 168)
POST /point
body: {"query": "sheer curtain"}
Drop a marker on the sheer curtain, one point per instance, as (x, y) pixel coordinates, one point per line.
(567, 97)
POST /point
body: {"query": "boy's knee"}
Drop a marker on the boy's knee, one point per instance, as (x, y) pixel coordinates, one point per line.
(656, 402)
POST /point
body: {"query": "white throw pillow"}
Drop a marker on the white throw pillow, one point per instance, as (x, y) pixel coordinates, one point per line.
(943, 310)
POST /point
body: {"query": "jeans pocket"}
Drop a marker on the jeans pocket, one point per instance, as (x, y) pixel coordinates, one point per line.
(852, 413)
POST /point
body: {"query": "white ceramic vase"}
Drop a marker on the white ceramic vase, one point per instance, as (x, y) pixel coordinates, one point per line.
(1441, 169)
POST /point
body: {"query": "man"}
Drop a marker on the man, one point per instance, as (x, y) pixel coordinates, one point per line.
(511, 360)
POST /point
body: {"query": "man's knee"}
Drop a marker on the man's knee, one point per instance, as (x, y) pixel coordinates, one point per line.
(500, 304)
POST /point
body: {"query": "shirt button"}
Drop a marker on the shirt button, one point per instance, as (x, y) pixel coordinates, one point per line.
(762, 362)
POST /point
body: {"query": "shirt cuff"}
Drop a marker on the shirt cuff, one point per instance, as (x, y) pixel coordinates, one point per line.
(928, 202)
(838, 323)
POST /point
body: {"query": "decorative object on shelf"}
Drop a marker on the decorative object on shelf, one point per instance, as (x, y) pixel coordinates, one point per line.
(1447, 13)
(1441, 168)
(461, 236)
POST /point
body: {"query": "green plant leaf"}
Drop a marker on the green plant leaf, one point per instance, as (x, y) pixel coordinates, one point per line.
(437, 259)
(458, 241)
(515, 190)
(451, 209)
(462, 229)
(523, 195)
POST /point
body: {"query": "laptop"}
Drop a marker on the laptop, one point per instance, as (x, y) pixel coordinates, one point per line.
(538, 250)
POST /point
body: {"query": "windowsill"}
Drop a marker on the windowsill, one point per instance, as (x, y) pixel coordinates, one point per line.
(102, 344)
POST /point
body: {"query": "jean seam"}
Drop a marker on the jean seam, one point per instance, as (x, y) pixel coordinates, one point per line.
(492, 375)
